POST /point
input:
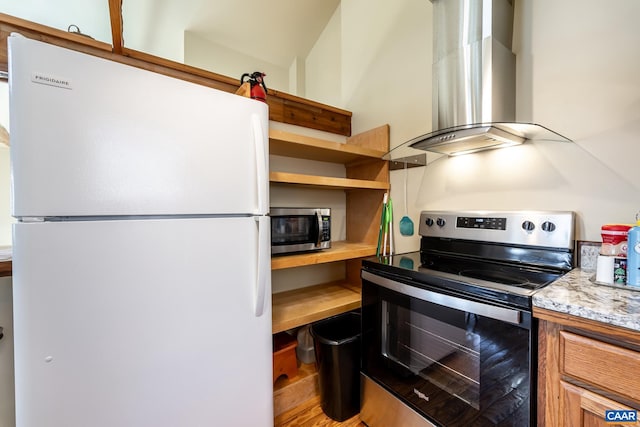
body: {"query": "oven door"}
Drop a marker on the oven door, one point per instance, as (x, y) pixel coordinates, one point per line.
(453, 360)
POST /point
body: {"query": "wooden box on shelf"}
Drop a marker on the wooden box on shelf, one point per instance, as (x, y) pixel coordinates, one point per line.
(284, 356)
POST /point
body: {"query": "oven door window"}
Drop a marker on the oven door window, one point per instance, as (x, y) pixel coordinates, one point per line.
(443, 354)
(453, 366)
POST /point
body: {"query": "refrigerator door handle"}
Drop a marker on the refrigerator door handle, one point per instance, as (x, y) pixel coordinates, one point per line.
(264, 263)
(261, 165)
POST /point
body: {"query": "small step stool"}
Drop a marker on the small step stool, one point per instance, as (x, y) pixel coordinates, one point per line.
(284, 356)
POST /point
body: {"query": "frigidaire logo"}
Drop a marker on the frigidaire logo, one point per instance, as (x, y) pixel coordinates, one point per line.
(51, 81)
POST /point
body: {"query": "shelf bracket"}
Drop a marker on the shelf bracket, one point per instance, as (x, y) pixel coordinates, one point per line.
(411, 162)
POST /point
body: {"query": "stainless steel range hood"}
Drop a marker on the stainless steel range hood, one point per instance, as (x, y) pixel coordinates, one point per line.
(474, 83)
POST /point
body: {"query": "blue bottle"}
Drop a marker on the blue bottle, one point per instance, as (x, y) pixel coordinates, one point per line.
(633, 255)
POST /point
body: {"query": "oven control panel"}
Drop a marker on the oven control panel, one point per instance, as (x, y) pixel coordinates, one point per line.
(531, 228)
(491, 223)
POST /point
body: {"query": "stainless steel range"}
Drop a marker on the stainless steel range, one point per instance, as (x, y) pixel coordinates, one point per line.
(447, 333)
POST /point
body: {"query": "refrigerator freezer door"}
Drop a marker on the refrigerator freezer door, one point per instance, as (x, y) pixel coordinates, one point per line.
(141, 323)
(96, 137)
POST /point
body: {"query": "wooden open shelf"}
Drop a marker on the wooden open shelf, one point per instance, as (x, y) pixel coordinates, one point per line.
(339, 251)
(326, 182)
(307, 305)
(289, 144)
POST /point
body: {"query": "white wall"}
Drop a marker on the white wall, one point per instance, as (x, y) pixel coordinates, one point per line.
(296, 77)
(202, 53)
(577, 73)
(91, 16)
(379, 60)
(323, 68)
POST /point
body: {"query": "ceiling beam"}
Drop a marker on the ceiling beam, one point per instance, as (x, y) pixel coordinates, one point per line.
(115, 12)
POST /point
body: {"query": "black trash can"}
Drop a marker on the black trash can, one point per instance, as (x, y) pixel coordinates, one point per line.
(337, 349)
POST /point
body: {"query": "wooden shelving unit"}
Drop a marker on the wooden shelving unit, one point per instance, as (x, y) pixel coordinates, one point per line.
(366, 181)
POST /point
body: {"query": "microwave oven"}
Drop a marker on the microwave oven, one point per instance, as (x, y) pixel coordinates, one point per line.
(300, 230)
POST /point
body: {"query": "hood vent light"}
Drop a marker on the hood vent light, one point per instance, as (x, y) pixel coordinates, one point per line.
(466, 140)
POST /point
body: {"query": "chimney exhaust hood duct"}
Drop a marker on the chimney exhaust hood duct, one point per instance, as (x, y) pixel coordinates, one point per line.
(474, 82)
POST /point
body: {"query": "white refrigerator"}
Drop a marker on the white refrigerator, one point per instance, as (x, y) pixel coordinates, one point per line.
(141, 257)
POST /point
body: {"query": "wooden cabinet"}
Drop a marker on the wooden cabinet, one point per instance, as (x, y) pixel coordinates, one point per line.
(581, 407)
(366, 181)
(585, 368)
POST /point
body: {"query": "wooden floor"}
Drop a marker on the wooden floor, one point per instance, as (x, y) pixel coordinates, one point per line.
(310, 414)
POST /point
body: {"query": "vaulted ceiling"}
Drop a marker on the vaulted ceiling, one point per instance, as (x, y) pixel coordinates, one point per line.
(273, 30)
(276, 31)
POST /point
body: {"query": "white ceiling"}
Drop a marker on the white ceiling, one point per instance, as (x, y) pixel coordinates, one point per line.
(276, 31)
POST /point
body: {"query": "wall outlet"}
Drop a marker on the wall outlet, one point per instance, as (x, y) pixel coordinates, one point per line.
(588, 255)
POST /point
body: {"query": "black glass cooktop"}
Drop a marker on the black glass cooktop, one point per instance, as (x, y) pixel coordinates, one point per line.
(506, 282)
(504, 274)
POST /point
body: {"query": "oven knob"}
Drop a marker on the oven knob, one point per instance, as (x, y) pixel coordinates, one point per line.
(429, 222)
(528, 225)
(548, 226)
(440, 222)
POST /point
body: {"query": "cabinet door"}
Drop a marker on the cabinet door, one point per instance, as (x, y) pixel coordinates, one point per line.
(603, 365)
(580, 407)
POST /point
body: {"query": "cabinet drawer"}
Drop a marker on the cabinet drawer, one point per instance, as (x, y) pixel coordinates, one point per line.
(604, 365)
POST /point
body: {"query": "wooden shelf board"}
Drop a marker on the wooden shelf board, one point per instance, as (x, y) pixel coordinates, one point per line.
(326, 182)
(339, 251)
(288, 144)
(306, 305)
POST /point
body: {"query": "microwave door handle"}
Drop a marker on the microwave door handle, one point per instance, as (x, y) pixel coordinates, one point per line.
(319, 236)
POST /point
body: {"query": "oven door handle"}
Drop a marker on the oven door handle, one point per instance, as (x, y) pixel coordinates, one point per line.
(495, 312)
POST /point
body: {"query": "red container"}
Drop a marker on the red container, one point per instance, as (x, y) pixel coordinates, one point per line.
(614, 239)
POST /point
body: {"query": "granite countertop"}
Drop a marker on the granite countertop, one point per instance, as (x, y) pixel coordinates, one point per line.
(575, 294)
